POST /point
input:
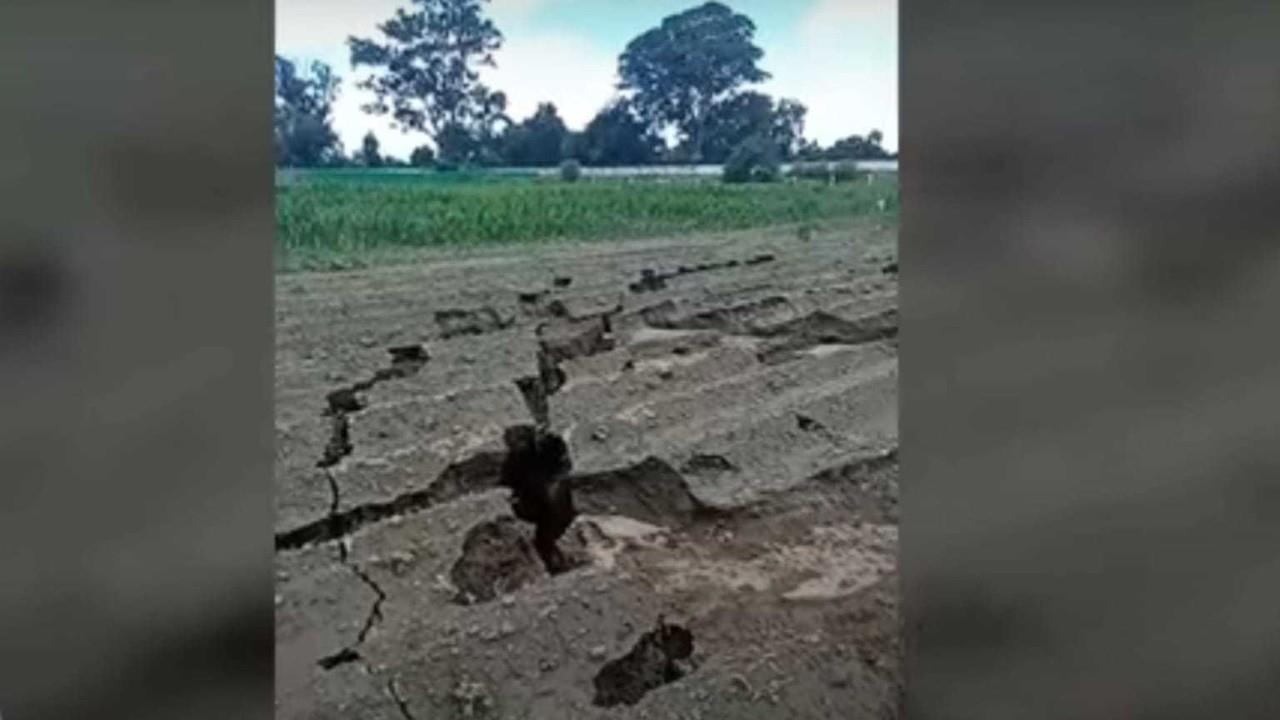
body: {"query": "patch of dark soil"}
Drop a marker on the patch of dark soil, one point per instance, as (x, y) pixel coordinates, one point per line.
(532, 298)
(890, 269)
(650, 491)
(475, 474)
(457, 322)
(562, 282)
(659, 657)
(497, 558)
(761, 259)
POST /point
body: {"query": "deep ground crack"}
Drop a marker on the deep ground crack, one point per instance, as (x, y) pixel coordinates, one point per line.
(651, 280)
(475, 474)
(406, 360)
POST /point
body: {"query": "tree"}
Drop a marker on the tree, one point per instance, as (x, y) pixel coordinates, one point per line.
(677, 72)
(617, 136)
(303, 103)
(422, 156)
(809, 150)
(787, 128)
(537, 140)
(732, 120)
(369, 156)
(855, 147)
(426, 69)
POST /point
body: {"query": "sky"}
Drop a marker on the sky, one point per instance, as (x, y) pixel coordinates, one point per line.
(838, 57)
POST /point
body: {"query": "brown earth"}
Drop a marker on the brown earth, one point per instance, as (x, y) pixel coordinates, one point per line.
(730, 408)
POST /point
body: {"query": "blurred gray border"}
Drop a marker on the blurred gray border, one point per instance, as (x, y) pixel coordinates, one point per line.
(1090, 284)
(135, 351)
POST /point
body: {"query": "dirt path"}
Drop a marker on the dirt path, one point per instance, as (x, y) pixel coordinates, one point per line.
(730, 407)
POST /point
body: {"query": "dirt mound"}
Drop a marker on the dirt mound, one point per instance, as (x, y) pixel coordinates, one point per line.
(497, 558)
(655, 660)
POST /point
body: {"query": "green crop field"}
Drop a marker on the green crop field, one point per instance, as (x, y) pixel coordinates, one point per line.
(341, 219)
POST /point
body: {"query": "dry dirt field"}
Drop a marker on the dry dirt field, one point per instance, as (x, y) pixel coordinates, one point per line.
(730, 408)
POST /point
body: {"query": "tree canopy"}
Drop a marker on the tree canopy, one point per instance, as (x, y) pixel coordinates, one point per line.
(690, 74)
(426, 67)
(302, 129)
(369, 155)
(618, 136)
(537, 140)
(677, 72)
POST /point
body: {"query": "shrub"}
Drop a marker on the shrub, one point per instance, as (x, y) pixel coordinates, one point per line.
(570, 170)
(755, 159)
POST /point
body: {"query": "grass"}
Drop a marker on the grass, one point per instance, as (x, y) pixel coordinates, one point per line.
(342, 219)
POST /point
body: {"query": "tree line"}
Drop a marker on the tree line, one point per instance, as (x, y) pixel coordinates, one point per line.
(687, 78)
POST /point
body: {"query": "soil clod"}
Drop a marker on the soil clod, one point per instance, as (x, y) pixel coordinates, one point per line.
(497, 558)
(655, 660)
